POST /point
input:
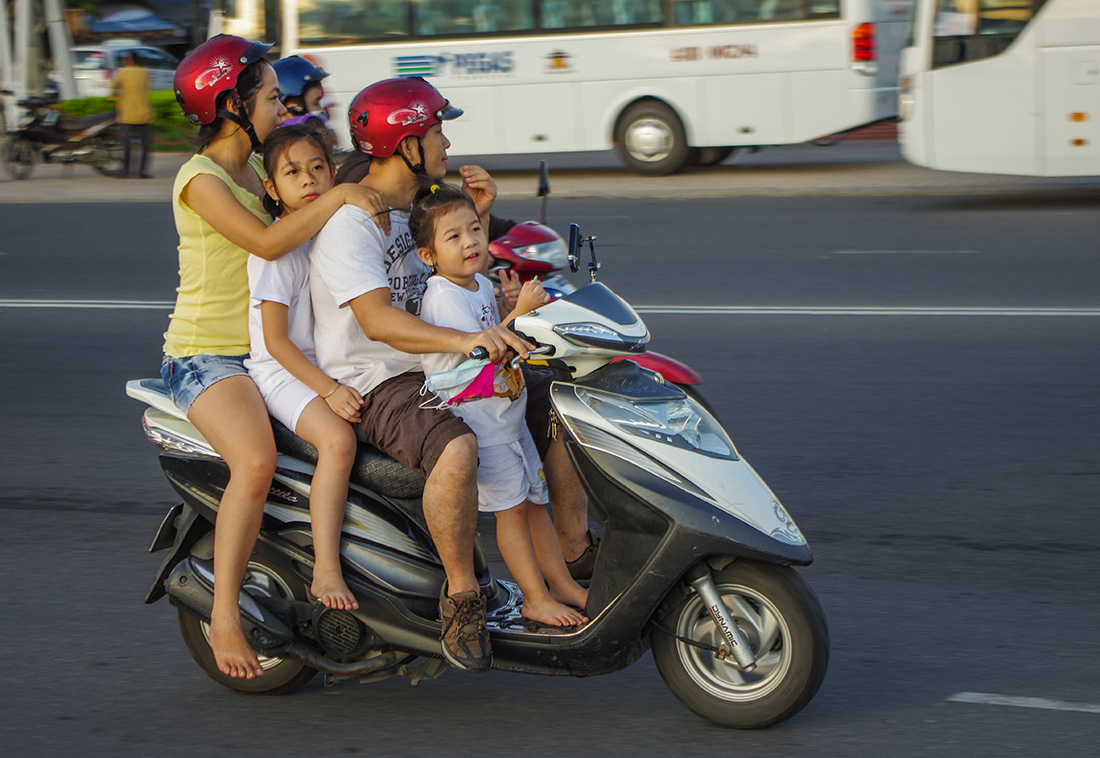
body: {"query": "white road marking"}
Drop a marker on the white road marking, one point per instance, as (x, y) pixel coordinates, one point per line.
(675, 310)
(905, 252)
(122, 304)
(1041, 703)
(751, 310)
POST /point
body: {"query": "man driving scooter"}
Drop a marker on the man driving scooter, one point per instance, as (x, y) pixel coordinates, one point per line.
(366, 288)
(568, 501)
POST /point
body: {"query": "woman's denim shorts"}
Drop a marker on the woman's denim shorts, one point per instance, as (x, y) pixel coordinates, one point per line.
(187, 378)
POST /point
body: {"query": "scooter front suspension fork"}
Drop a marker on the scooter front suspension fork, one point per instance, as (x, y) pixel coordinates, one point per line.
(702, 582)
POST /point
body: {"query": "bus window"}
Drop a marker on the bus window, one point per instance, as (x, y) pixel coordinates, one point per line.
(970, 30)
(348, 22)
(435, 18)
(705, 12)
(567, 14)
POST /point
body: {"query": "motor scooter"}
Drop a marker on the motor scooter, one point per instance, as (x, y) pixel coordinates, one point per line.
(43, 136)
(531, 248)
(696, 559)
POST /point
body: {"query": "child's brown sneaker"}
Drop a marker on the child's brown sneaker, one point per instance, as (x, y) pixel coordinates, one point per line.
(465, 638)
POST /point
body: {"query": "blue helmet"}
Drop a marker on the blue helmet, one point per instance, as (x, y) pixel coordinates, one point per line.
(295, 74)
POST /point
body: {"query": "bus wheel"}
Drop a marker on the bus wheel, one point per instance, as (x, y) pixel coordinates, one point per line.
(650, 139)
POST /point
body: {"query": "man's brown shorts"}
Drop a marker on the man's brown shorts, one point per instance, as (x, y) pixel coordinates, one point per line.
(393, 421)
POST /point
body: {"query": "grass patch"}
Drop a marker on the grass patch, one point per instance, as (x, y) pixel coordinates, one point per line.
(172, 132)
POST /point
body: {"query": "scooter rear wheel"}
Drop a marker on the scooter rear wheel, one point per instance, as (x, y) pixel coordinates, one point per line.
(19, 158)
(782, 621)
(281, 675)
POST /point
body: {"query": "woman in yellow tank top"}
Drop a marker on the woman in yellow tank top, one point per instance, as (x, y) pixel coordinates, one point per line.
(227, 89)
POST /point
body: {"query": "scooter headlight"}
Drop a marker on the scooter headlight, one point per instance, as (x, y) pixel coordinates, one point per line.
(551, 253)
(597, 335)
(681, 422)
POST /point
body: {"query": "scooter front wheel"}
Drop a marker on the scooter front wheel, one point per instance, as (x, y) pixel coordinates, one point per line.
(19, 158)
(281, 675)
(784, 625)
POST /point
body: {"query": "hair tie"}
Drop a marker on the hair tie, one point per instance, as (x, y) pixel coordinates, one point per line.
(434, 188)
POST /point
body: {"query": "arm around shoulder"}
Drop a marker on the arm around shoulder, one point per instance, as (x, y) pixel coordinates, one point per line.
(213, 200)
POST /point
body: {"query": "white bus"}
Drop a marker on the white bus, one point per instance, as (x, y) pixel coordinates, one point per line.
(1003, 87)
(667, 82)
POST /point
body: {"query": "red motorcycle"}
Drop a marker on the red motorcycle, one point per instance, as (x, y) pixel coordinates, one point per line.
(532, 248)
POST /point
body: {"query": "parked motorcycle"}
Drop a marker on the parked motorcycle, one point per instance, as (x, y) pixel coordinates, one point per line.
(43, 136)
(695, 561)
(531, 248)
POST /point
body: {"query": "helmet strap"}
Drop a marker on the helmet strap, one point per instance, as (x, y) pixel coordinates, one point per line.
(240, 118)
(418, 168)
(295, 105)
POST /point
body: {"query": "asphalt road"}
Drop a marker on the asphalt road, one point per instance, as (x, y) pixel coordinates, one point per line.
(943, 465)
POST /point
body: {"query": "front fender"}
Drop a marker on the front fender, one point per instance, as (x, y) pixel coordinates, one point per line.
(671, 369)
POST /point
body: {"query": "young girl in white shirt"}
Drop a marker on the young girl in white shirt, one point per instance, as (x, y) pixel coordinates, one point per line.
(318, 409)
(449, 236)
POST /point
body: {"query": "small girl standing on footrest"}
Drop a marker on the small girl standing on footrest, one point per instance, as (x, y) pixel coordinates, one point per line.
(510, 482)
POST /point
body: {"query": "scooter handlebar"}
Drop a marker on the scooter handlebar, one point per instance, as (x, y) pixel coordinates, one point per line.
(480, 353)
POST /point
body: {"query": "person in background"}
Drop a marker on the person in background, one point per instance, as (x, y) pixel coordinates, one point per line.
(302, 94)
(130, 91)
(300, 87)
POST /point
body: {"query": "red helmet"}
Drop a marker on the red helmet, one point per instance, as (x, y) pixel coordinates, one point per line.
(386, 112)
(211, 69)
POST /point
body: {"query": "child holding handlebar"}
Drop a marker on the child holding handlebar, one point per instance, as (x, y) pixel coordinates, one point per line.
(510, 482)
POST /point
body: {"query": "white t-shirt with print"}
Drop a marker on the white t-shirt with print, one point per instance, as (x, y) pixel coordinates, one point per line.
(285, 281)
(350, 257)
(495, 420)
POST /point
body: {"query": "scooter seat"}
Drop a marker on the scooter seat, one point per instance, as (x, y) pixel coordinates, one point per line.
(372, 469)
(84, 122)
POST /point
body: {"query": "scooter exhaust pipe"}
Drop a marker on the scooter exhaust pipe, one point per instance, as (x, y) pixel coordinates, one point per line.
(190, 586)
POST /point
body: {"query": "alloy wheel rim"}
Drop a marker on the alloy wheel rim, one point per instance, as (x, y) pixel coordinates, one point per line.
(649, 140)
(764, 629)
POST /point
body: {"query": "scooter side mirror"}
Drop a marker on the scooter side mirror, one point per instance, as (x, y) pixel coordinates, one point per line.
(574, 250)
(543, 190)
(544, 180)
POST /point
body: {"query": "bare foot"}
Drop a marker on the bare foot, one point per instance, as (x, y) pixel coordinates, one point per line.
(571, 594)
(553, 613)
(331, 590)
(234, 656)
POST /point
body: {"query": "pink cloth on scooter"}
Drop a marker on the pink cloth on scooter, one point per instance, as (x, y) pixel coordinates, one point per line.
(481, 386)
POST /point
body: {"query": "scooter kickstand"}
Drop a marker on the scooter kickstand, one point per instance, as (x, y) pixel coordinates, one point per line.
(702, 582)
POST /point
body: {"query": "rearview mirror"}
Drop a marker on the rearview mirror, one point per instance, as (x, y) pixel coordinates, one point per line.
(574, 248)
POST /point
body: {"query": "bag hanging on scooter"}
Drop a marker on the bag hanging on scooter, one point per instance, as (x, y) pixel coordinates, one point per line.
(470, 380)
